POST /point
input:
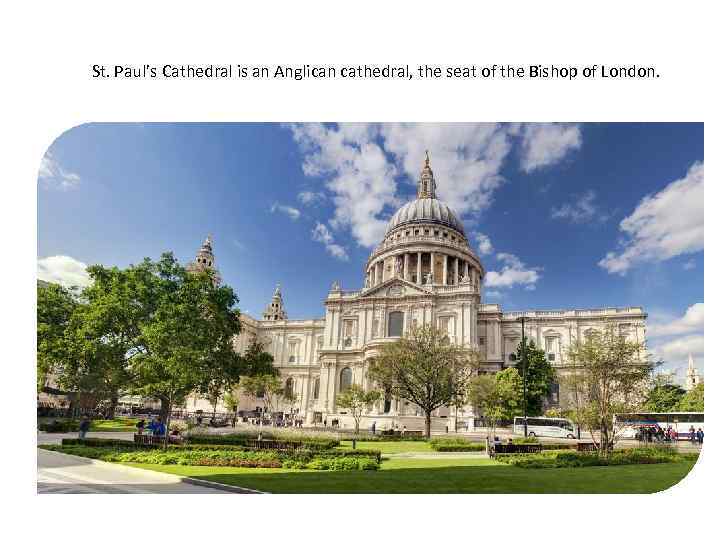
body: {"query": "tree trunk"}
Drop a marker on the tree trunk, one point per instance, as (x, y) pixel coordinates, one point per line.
(165, 410)
(113, 404)
(428, 421)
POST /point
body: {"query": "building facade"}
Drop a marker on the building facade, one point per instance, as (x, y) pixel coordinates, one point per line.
(424, 271)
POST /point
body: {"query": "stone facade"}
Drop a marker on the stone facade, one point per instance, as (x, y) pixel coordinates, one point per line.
(423, 272)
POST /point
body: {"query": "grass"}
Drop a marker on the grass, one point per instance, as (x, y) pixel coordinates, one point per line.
(391, 447)
(117, 424)
(400, 475)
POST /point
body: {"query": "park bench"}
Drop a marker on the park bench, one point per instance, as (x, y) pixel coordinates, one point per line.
(586, 447)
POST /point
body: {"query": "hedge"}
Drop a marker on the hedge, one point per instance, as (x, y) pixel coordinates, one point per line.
(458, 444)
(570, 459)
(98, 442)
(60, 426)
(241, 440)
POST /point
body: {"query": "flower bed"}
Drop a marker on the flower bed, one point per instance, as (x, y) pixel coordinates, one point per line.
(221, 455)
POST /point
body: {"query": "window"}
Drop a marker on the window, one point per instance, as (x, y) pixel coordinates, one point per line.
(345, 379)
(395, 324)
(551, 357)
(316, 389)
(512, 357)
(288, 393)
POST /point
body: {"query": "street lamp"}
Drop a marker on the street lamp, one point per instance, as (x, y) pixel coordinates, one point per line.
(523, 354)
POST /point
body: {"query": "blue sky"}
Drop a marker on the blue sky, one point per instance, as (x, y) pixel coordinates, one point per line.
(563, 215)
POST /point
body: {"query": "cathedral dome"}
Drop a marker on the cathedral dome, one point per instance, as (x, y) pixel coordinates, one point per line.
(426, 210)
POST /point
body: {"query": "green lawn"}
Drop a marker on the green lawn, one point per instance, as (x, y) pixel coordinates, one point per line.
(391, 447)
(444, 476)
(117, 424)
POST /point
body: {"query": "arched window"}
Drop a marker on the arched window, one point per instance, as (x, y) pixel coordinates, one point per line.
(345, 379)
(288, 389)
(395, 324)
(316, 389)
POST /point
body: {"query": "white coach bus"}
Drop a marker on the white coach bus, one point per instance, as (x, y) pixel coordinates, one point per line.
(681, 422)
(543, 426)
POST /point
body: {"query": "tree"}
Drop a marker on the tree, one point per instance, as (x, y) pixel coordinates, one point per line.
(256, 361)
(270, 389)
(55, 307)
(540, 376)
(664, 398)
(186, 322)
(483, 393)
(606, 376)
(694, 400)
(425, 368)
(355, 399)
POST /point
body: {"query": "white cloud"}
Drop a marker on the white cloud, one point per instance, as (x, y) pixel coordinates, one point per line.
(584, 209)
(543, 145)
(360, 176)
(513, 272)
(361, 165)
(311, 197)
(322, 234)
(663, 225)
(692, 321)
(63, 270)
(676, 351)
(52, 176)
(484, 245)
(292, 213)
(492, 293)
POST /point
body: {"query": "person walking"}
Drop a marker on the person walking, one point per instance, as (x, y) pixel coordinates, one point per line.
(84, 427)
(700, 434)
(140, 426)
(373, 428)
(692, 434)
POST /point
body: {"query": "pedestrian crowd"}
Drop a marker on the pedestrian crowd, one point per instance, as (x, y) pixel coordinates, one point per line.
(655, 433)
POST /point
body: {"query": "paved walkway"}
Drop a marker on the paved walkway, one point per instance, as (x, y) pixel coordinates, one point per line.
(62, 473)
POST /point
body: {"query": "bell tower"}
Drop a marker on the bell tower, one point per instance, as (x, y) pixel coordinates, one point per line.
(275, 311)
(205, 260)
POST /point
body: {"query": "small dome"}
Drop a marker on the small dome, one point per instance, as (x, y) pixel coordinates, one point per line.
(425, 211)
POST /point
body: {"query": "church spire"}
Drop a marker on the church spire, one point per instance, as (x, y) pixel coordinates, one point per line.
(426, 184)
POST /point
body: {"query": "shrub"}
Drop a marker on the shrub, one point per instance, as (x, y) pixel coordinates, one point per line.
(456, 444)
(569, 458)
(96, 442)
(60, 426)
(224, 456)
(343, 464)
(525, 440)
(244, 439)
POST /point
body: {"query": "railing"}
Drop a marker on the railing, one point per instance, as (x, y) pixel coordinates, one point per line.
(572, 312)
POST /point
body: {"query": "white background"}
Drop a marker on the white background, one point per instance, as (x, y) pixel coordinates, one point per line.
(47, 50)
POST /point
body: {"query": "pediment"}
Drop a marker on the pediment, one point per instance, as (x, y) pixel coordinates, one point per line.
(395, 288)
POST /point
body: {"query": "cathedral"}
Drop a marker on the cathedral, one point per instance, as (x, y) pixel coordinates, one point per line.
(424, 271)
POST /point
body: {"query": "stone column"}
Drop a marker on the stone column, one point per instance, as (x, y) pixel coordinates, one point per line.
(432, 265)
(406, 267)
(445, 270)
(465, 269)
(332, 385)
(419, 267)
(457, 267)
